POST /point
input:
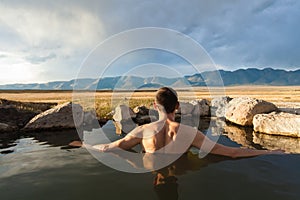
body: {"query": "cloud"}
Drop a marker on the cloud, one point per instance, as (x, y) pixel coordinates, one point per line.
(40, 59)
(258, 33)
(42, 25)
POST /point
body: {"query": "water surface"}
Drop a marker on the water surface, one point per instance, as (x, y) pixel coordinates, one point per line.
(43, 167)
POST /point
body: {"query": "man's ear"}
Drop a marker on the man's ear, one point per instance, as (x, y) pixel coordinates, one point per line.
(177, 105)
(155, 105)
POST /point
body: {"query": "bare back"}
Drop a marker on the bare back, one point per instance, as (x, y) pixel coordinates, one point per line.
(163, 137)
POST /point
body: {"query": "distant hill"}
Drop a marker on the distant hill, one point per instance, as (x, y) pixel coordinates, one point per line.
(251, 76)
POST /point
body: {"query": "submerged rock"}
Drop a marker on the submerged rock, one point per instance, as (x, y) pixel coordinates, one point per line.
(241, 110)
(277, 124)
(61, 116)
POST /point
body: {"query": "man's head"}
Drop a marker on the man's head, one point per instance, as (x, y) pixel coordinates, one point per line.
(167, 97)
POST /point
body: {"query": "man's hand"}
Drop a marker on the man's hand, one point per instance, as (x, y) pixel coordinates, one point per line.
(101, 147)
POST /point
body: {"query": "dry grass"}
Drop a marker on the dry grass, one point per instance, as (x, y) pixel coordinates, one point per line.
(288, 96)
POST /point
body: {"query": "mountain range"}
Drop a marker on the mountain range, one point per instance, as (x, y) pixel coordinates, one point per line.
(250, 76)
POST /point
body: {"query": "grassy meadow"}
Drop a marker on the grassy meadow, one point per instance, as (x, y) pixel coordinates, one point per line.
(104, 101)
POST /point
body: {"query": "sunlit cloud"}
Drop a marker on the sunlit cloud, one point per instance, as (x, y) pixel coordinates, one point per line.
(14, 69)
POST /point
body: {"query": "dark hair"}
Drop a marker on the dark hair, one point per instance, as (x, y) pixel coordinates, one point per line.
(167, 97)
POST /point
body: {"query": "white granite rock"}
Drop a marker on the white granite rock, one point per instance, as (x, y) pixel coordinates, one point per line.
(123, 112)
(277, 124)
(241, 110)
(201, 107)
(218, 106)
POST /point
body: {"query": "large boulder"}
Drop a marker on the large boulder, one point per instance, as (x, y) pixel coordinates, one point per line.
(241, 110)
(201, 107)
(277, 124)
(218, 106)
(61, 116)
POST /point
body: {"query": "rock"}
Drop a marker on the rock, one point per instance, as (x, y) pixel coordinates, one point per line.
(145, 119)
(153, 112)
(218, 106)
(274, 142)
(123, 112)
(141, 110)
(185, 108)
(90, 118)
(201, 107)
(295, 111)
(61, 116)
(277, 124)
(124, 126)
(216, 125)
(187, 120)
(15, 117)
(7, 128)
(142, 115)
(241, 110)
(123, 119)
(28, 106)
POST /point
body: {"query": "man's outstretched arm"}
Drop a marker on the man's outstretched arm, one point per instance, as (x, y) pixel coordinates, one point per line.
(205, 144)
(130, 140)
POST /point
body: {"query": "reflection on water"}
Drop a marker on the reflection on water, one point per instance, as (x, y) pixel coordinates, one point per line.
(246, 137)
(240, 135)
(166, 181)
(272, 142)
(41, 166)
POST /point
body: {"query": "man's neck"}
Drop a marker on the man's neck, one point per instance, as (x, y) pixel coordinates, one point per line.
(165, 116)
(171, 116)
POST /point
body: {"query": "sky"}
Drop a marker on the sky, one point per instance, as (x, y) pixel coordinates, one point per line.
(43, 41)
